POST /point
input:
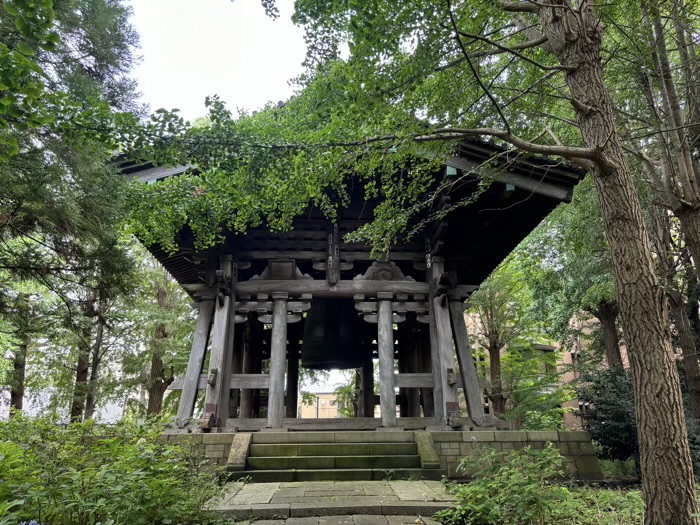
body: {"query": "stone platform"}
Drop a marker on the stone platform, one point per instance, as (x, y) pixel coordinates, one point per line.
(356, 502)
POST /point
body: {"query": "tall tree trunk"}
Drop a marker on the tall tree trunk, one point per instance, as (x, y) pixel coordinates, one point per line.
(606, 315)
(668, 484)
(20, 365)
(82, 369)
(688, 347)
(690, 225)
(157, 384)
(498, 401)
(82, 372)
(158, 380)
(91, 396)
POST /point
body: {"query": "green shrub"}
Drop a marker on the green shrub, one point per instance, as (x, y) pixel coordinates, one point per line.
(507, 488)
(84, 474)
(520, 488)
(598, 506)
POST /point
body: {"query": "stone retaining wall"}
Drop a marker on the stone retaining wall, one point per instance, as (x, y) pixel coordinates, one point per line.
(576, 447)
(215, 448)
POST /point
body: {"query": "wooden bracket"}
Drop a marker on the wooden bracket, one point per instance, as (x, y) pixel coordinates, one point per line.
(213, 374)
(451, 376)
(208, 421)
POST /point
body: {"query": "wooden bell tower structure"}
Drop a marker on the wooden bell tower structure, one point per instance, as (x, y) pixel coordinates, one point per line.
(254, 293)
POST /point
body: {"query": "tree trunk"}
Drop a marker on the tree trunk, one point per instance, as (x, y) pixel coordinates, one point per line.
(80, 389)
(690, 225)
(91, 397)
(667, 473)
(498, 401)
(20, 365)
(690, 358)
(606, 314)
(157, 385)
(158, 380)
(82, 369)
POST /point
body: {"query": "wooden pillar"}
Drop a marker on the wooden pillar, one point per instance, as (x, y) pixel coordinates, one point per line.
(401, 356)
(278, 355)
(258, 347)
(236, 367)
(247, 365)
(218, 380)
(385, 342)
(439, 381)
(292, 379)
(441, 343)
(412, 366)
(425, 366)
(366, 401)
(467, 369)
(190, 385)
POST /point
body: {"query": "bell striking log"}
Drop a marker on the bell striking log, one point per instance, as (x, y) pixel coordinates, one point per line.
(333, 336)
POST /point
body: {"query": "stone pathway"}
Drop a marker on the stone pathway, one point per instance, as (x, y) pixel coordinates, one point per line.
(334, 502)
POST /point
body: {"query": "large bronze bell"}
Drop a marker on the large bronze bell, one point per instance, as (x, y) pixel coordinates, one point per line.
(333, 336)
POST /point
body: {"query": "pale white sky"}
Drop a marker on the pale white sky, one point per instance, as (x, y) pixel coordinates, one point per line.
(195, 48)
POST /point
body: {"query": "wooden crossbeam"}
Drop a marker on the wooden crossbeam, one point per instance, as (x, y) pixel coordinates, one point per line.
(244, 381)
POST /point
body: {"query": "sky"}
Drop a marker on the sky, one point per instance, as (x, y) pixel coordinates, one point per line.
(191, 49)
(194, 48)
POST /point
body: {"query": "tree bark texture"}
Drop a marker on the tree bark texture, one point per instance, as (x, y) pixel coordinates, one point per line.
(82, 372)
(498, 401)
(95, 360)
(667, 474)
(690, 226)
(158, 377)
(690, 357)
(20, 366)
(606, 314)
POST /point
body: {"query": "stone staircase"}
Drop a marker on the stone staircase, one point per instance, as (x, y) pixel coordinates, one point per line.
(333, 456)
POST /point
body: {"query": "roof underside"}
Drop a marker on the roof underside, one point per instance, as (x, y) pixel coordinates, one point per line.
(473, 239)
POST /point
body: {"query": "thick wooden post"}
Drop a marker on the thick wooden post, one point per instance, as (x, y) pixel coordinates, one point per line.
(439, 379)
(194, 367)
(425, 364)
(236, 366)
(441, 343)
(403, 339)
(366, 401)
(218, 380)
(278, 355)
(385, 342)
(292, 379)
(412, 366)
(246, 393)
(467, 369)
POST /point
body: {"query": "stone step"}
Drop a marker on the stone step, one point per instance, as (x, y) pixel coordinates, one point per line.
(333, 462)
(367, 474)
(333, 437)
(332, 449)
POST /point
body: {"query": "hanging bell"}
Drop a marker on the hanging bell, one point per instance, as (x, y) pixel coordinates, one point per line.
(333, 336)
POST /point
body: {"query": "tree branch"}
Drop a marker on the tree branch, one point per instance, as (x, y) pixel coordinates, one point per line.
(514, 50)
(518, 7)
(473, 69)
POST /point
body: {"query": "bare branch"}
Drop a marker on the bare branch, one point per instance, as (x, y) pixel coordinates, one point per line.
(473, 69)
(518, 7)
(514, 51)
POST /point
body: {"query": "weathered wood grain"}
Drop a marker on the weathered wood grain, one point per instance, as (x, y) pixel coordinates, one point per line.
(467, 369)
(387, 379)
(278, 357)
(194, 366)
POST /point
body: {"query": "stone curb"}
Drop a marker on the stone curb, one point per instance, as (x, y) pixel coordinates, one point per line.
(302, 510)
